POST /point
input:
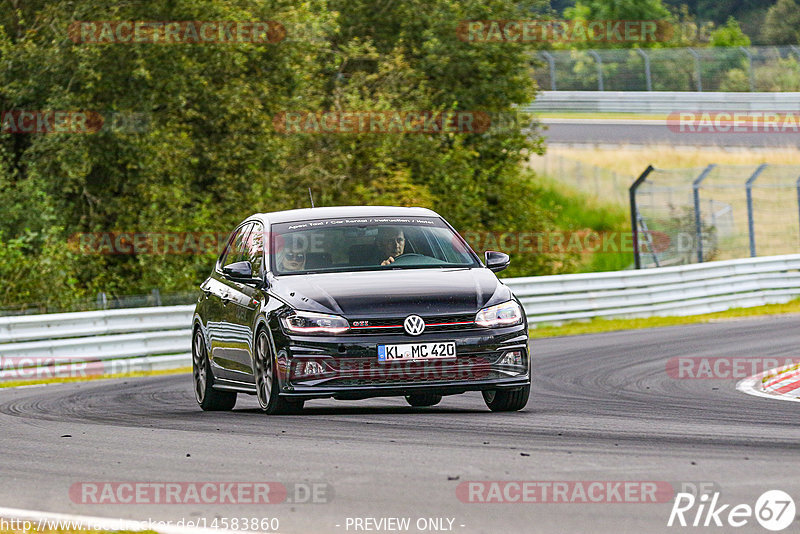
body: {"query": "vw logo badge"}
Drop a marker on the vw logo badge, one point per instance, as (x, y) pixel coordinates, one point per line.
(414, 325)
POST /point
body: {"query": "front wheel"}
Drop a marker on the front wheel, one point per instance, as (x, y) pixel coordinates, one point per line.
(209, 399)
(267, 381)
(507, 400)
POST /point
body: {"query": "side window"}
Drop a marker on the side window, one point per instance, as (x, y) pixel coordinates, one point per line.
(235, 251)
(255, 248)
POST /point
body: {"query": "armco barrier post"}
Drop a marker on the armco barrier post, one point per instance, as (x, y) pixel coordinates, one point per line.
(698, 225)
(750, 225)
(634, 215)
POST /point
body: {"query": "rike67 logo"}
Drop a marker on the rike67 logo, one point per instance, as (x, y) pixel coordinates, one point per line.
(774, 510)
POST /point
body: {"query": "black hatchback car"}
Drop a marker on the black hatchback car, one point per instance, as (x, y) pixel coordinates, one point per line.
(352, 303)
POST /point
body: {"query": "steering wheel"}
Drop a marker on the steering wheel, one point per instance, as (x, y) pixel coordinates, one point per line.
(402, 259)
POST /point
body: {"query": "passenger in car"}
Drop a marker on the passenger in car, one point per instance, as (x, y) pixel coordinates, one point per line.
(293, 256)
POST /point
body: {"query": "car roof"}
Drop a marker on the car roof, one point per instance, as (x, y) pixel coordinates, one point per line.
(307, 214)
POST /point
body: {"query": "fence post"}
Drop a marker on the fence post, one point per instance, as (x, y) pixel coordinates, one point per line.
(749, 68)
(156, 297)
(750, 225)
(634, 215)
(552, 64)
(647, 78)
(697, 68)
(599, 61)
(698, 226)
(102, 300)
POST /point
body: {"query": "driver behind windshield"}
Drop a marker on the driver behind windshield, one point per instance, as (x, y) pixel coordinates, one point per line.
(391, 243)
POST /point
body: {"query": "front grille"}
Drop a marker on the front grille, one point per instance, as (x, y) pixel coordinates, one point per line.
(489, 375)
(433, 323)
(365, 372)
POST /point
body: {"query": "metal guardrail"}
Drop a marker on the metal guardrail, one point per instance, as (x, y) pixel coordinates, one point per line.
(127, 340)
(95, 342)
(681, 290)
(661, 101)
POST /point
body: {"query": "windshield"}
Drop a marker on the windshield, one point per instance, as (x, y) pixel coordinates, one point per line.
(367, 243)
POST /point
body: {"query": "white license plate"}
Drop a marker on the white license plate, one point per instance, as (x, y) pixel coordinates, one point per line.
(417, 351)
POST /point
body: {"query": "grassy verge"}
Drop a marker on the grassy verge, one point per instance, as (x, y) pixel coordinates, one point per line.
(604, 115)
(15, 383)
(631, 161)
(612, 325)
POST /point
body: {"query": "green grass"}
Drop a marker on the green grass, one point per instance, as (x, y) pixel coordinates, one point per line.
(15, 383)
(577, 211)
(613, 325)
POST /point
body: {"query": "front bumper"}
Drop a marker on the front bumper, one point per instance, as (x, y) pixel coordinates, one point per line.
(347, 366)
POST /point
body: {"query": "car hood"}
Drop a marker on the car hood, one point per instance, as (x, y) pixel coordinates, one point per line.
(393, 293)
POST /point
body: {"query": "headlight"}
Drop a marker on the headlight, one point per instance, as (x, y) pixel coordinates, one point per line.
(505, 314)
(301, 322)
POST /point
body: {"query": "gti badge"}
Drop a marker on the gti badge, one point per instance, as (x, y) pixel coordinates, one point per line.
(414, 325)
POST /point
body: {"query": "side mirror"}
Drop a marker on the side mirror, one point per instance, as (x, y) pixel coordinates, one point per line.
(240, 271)
(496, 261)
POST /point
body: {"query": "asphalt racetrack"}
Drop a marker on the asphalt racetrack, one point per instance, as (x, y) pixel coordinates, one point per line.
(655, 132)
(603, 408)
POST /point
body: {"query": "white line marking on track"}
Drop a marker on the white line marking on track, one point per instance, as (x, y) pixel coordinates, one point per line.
(70, 521)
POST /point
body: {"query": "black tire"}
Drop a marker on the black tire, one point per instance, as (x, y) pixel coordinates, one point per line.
(209, 399)
(423, 399)
(266, 379)
(506, 400)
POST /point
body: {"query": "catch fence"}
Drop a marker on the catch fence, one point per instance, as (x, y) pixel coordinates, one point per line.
(718, 212)
(757, 68)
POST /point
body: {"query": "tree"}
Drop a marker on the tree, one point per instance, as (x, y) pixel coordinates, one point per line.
(782, 24)
(730, 34)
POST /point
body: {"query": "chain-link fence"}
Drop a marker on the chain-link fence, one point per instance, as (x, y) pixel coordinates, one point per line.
(717, 212)
(589, 179)
(761, 68)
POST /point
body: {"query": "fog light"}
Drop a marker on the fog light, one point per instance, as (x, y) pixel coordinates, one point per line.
(313, 368)
(308, 368)
(514, 357)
